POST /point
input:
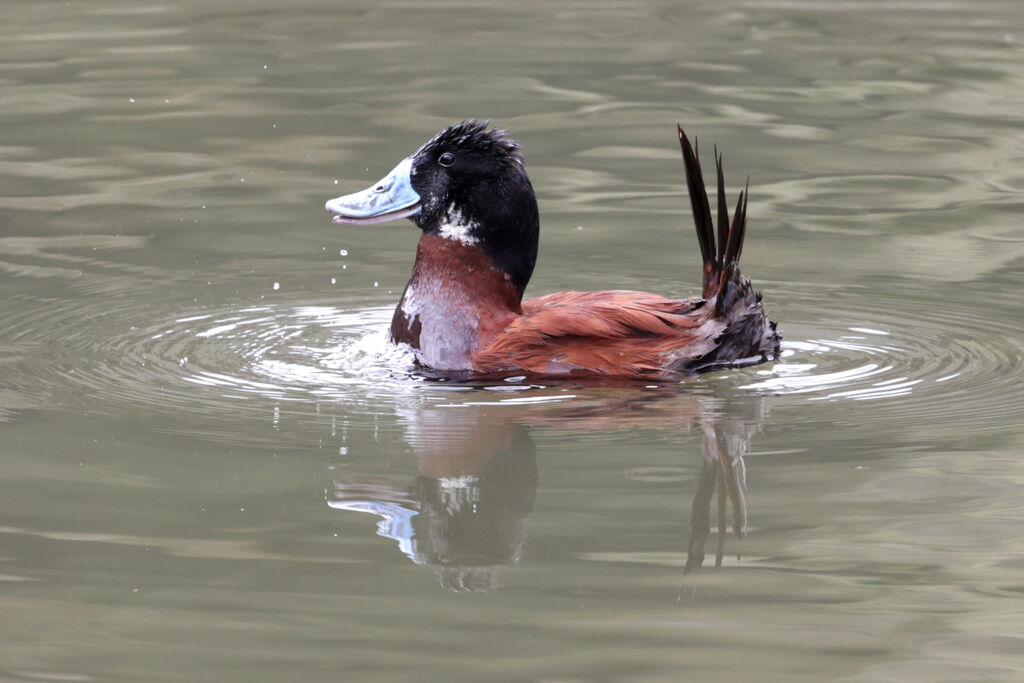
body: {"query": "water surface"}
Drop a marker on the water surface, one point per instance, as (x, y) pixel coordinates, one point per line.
(214, 467)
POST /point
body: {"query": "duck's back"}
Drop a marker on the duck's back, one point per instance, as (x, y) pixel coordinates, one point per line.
(608, 333)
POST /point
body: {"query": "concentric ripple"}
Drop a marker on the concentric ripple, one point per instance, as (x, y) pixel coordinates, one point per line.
(205, 361)
(937, 363)
(99, 354)
(288, 353)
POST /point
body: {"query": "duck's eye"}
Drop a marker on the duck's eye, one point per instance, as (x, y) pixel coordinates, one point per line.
(446, 159)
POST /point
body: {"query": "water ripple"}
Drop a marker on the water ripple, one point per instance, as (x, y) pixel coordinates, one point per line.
(118, 353)
(206, 363)
(938, 363)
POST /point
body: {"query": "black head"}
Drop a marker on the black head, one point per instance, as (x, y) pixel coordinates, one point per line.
(466, 184)
(473, 188)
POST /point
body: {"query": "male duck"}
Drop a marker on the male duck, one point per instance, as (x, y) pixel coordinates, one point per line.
(462, 311)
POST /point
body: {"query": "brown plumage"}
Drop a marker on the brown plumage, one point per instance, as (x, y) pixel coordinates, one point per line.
(615, 333)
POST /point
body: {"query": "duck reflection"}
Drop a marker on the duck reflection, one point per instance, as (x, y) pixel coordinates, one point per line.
(466, 513)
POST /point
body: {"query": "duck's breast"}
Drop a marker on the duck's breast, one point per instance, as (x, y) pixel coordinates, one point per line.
(455, 303)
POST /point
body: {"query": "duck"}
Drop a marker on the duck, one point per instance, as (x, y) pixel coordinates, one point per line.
(462, 311)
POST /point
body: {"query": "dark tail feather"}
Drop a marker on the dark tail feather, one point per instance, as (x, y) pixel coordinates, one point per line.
(723, 210)
(701, 213)
(721, 265)
(739, 227)
(729, 262)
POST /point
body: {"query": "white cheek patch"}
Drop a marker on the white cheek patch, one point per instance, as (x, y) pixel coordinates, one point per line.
(458, 228)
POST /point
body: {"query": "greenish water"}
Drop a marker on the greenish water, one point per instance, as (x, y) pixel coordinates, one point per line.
(213, 468)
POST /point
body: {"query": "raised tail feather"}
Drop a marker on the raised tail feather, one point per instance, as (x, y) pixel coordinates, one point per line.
(749, 334)
(721, 264)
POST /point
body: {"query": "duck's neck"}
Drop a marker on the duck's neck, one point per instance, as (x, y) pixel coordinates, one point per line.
(455, 303)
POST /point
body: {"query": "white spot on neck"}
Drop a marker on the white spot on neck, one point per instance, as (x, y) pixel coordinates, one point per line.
(457, 227)
(410, 306)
